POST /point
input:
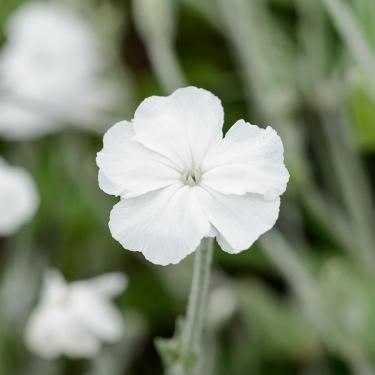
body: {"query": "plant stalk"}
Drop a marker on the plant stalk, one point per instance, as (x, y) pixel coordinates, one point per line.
(191, 339)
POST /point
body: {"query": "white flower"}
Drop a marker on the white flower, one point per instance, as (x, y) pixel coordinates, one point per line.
(49, 71)
(73, 319)
(222, 304)
(179, 180)
(18, 198)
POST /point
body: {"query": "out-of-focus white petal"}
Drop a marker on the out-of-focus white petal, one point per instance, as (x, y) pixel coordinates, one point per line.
(73, 319)
(110, 284)
(49, 82)
(54, 285)
(18, 198)
(127, 168)
(53, 330)
(165, 225)
(221, 306)
(96, 314)
(77, 340)
(182, 126)
(239, 219)
(248, 160)
(37, 333)
(20, 122)
(42, 68)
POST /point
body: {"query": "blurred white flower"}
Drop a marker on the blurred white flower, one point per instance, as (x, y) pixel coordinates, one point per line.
(221, 306)
(74, 319)
(179, 180)
(19, 198)
(50, 72)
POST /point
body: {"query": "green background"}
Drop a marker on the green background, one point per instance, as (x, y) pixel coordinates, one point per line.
(304, 295)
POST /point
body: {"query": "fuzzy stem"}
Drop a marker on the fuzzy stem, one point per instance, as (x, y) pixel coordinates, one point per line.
(192, 333)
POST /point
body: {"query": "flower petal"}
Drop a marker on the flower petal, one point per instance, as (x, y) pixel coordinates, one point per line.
(37, 333)
(22, 123)
(165, 225)
(19, 198)
(52, 331)
(248, 160)
(54, 285)
(127, 168)
(239, 219)
(95, 313)
(107, 185)
(108, 285)
(182, 126)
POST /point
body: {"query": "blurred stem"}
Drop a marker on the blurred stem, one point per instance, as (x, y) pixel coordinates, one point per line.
(293, 268)
(165, 65)
(190, 349)
(362, 367)
(155, 21)
(354, 187)
(332, 219)
(312, 299)
(346, 24)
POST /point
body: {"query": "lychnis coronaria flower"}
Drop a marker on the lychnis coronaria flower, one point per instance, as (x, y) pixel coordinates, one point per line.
(74, 319)
(179, 180)
(19, 198)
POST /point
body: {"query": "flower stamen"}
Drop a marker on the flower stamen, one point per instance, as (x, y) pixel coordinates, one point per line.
(191, 177)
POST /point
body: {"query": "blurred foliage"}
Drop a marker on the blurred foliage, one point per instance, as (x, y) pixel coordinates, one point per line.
(305, 293)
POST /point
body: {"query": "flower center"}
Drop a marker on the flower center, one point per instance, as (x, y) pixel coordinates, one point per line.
(192, 177)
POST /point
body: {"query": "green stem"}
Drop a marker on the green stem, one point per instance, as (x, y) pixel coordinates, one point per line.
(192, 333)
